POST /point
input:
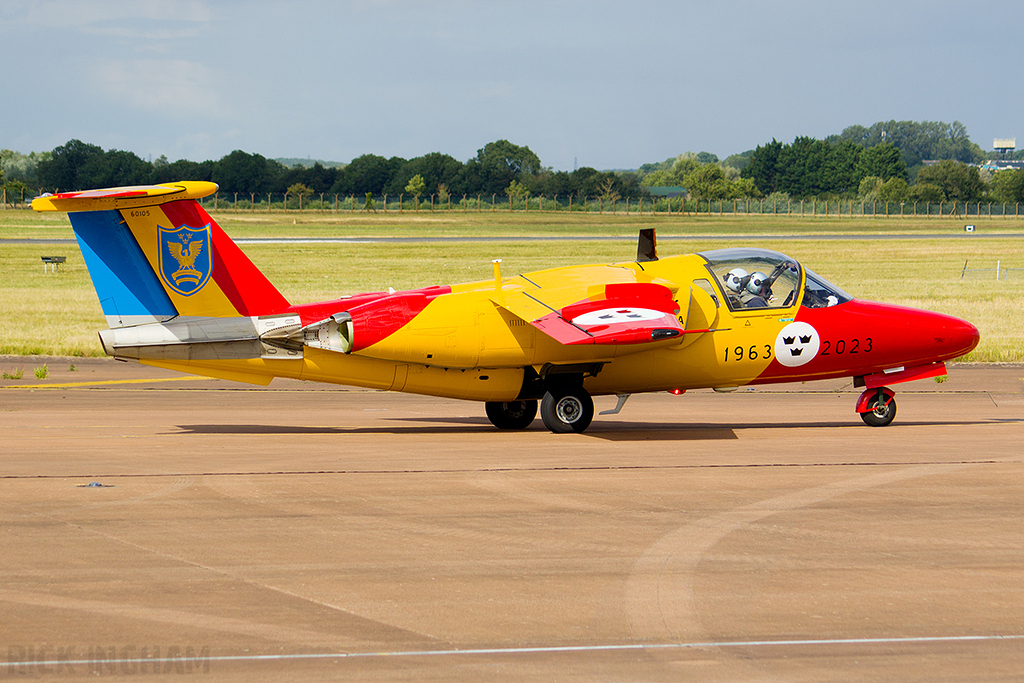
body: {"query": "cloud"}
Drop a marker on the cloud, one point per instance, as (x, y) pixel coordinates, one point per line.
(174, 87)
(142, 22)
(87, 13)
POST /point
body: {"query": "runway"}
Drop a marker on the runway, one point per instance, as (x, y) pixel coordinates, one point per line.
(157, 524)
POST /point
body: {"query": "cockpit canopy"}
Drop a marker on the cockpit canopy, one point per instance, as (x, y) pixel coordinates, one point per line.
(761, 278)
(754, 278)
(819, 293)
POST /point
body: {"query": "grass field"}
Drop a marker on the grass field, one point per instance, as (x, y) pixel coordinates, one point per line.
(29, 224)
(59, 314)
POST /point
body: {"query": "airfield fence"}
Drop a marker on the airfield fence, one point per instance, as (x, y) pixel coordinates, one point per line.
(325, 203)
(335, 203)
(1000, 272)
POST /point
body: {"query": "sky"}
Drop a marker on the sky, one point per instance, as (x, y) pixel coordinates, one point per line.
(611, 85)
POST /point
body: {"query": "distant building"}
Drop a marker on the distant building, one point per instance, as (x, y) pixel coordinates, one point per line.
(992, 165)
(1004, 145)
(995, 165)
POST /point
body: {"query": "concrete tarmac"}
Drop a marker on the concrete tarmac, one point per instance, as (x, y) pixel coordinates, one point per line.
(153, 523)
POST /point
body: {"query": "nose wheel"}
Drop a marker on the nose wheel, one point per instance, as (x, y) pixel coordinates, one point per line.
(877, 407)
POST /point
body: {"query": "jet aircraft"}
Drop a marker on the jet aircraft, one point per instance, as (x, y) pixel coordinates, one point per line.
(178, 293)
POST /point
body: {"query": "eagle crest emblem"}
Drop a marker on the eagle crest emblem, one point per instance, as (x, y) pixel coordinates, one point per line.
(185, 258)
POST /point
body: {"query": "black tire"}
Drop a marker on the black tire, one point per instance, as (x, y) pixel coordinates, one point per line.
(567, 411)
(879, 412)
(511, 414)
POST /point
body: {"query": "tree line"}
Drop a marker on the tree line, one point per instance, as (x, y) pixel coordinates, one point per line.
(883, 162)
(78, 165)
(892, 161)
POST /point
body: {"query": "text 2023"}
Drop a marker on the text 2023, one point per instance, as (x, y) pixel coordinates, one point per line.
(841, 346)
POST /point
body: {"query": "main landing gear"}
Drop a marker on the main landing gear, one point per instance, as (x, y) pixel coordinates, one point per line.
(567, 409)
(877, 407)
(564, 409)
(511, 414)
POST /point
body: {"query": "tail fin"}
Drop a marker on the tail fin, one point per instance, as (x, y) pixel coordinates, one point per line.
(154, 253)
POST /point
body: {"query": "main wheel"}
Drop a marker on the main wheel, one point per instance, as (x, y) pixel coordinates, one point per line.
(511, 414)
(881, 412)
(567, 410)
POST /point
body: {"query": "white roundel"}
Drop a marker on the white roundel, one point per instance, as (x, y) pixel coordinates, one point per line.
(797, 343)
(611, 316)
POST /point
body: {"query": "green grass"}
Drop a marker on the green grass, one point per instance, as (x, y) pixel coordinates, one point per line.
(29, 224)
(18, 223)
(59, 314)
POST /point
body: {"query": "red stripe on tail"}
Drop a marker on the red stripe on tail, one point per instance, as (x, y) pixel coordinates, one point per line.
(248, 290)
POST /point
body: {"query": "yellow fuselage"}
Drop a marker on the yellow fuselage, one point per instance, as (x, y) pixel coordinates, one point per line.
(469, 344)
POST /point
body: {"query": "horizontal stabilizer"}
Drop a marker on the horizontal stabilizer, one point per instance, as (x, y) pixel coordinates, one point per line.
(124, 197)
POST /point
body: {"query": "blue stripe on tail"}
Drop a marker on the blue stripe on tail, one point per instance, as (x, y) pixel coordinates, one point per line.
(124, 281)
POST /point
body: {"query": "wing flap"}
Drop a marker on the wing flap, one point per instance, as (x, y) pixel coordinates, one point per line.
(524, 305)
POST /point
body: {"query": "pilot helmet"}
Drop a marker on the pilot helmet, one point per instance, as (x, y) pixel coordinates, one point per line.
(757, 282)
(735, 278)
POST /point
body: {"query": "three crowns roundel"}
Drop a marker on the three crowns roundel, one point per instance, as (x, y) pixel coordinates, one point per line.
(797, 344)
(185, 258)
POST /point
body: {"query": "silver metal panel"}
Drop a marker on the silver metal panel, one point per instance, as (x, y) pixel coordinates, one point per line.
(287, 334)
(283, 332)
(185, 338)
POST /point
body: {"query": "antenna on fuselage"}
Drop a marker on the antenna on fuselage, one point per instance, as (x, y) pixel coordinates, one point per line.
(647, 246)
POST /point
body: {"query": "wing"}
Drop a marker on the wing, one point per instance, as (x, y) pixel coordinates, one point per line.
(617, 313)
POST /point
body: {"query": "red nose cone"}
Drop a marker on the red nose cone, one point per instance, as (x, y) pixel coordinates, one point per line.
(963, 336)
(922, 336)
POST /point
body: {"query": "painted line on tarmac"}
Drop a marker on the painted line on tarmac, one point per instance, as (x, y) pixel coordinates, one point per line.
(475, 470)
(68, 385)
(195, 659)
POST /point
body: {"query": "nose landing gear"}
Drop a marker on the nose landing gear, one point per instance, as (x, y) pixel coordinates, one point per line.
(877, 407)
